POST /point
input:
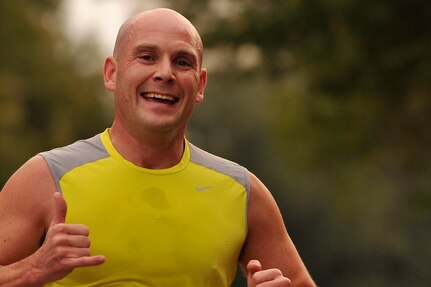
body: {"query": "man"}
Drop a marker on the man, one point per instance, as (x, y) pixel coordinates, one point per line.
(159, 211)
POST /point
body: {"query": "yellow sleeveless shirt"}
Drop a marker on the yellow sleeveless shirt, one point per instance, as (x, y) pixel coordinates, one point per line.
(181, 226)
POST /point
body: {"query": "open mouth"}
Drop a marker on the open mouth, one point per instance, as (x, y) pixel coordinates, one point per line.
(159, 98)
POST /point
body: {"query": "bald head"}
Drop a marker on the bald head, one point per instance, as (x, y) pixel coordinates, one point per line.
(153, 18)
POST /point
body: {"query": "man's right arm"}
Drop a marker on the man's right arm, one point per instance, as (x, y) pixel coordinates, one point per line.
(36, 246)
(25, 206)
(16, 275)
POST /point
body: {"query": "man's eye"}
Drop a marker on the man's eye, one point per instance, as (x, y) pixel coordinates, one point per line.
(146, 57)
(183, 63)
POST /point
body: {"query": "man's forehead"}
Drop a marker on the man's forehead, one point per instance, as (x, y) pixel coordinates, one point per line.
(158, 22)
(169, 31)
(166, 23)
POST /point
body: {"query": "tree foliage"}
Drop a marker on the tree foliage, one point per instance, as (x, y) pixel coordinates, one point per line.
(45, 100)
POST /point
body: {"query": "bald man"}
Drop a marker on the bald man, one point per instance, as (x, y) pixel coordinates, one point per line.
(159, 210)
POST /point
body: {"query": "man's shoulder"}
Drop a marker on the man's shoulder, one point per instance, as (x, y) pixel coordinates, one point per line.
(84, 148)
(65, 158)
(219, 164)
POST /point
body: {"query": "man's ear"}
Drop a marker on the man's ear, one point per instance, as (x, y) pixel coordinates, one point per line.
(109, 73)
(202, 85)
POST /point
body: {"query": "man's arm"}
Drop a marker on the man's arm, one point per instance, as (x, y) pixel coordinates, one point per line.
(36, 246)
(269, 243)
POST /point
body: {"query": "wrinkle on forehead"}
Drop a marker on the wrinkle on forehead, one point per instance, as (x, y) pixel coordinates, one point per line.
(153, 18)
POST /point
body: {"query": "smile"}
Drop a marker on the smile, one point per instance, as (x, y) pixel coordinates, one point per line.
(159, 98)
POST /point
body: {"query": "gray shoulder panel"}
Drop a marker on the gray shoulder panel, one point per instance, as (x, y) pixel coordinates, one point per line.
(224, 166)
(63, 159)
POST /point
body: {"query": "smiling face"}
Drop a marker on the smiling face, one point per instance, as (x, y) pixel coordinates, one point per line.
(156, 73)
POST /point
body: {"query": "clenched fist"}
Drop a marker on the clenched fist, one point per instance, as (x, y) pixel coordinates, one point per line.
(265, 278)
(66, 246)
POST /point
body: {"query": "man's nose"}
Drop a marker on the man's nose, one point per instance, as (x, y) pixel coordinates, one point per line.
(164, 71)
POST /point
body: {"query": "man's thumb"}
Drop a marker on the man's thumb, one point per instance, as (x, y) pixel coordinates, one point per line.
(60, 209)
(253, 266)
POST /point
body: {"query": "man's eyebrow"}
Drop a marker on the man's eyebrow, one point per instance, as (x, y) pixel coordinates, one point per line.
(145, 47)
(188, 54)
(154, 48)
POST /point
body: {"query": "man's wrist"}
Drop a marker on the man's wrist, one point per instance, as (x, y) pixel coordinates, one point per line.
(33, 278)
(33, 274)
(27, 274)
(19, 274)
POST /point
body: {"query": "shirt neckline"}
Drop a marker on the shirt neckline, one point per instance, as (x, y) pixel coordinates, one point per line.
(112, 151)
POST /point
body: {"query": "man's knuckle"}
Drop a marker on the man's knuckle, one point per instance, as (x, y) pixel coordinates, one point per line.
(60, 240)
(61, 252)
(284, 281)
(86, 242)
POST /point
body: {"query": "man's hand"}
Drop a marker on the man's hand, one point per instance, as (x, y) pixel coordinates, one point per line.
(265, 278)
(66, 247)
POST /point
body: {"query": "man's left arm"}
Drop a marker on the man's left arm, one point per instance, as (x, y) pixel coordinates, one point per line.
(269, 254)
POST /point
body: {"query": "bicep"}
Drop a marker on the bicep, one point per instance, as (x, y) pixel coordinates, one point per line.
(24, 210)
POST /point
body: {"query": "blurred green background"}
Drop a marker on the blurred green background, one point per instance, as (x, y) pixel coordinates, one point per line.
(328, 102)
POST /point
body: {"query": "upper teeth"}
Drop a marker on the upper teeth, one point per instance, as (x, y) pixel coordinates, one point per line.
(158, 96)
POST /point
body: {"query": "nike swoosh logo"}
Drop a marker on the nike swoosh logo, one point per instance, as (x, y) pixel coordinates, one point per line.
(202, 188)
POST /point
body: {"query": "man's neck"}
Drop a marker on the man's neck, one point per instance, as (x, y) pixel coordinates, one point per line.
(150, 150)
